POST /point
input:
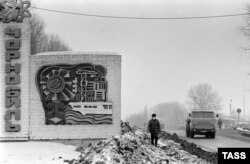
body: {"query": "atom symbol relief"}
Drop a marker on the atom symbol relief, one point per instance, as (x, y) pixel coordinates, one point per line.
(14, 11)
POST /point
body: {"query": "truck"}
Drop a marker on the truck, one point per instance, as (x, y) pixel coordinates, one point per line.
(202, 123)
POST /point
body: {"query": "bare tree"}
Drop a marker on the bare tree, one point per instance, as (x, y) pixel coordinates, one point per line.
(42, 42)
(202, 97)
(136, 119)
(246, 28)
(37, 26)
(170, 114)
(54, 43)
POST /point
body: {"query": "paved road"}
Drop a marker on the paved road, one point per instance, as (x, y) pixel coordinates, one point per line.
(213, 144)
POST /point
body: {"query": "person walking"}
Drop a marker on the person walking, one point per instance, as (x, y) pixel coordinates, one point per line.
(220, 123)
(154, 129)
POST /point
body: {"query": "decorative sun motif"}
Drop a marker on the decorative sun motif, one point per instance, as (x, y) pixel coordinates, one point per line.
(56, 84)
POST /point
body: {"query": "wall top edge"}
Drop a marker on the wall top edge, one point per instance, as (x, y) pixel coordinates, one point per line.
(77, 53)
(15, 23)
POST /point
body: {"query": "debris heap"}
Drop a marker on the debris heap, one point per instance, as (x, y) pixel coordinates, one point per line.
(191, 147)
(135, 148)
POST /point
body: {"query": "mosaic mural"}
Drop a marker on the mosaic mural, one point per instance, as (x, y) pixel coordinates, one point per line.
(74, 94)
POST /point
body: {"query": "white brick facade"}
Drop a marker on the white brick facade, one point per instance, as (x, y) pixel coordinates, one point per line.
(32, 119)
(38, 129)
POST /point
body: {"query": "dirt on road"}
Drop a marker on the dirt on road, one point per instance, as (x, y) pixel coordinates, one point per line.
(222, 139)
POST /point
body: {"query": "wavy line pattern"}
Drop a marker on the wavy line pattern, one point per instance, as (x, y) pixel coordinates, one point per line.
(76, 118)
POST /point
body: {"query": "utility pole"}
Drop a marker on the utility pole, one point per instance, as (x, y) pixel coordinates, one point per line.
(244, 103)
(230, 107)
(238, 111)
(244, 109)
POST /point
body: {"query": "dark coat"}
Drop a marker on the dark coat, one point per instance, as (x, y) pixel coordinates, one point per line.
(154, 126)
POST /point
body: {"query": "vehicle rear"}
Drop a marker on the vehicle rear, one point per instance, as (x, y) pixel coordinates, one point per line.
(203, 123)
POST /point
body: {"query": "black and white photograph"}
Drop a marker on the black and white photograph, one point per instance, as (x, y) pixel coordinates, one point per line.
(124, 81)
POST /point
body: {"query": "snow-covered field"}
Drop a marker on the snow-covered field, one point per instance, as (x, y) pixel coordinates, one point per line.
(36, 153)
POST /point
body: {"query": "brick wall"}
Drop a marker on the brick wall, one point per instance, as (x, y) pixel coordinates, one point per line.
(24, 82)
(38, 129)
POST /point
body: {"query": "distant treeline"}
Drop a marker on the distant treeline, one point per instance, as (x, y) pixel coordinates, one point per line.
(171, 115)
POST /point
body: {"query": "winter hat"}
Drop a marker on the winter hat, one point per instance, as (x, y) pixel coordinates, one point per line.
(154, 115)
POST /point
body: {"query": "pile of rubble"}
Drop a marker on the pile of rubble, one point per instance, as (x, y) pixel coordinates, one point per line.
(134, 147)
(191, 147)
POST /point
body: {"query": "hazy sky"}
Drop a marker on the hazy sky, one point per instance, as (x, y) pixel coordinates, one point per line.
(161, 59)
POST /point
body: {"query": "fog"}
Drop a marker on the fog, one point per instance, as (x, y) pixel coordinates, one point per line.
(161, 59)
(172, 115)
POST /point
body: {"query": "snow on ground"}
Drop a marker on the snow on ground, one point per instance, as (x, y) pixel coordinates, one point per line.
(135, 147)
(36, 153)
